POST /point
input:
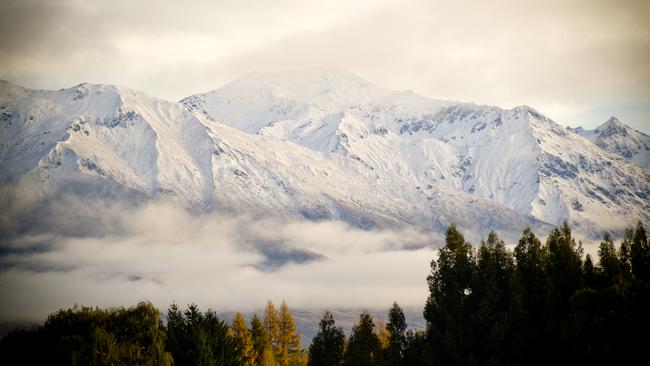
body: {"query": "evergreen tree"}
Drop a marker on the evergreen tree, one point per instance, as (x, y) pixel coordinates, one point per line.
(261, 343)
(533, 287)
(418, 350)
(363, 347)
(599, 313)
(328, 344)
(624, 254)
(640, 254)
(243, 340)
(609, 265)
(564, 267)
(639, 298)
(589, 272)
(198, 338)
(396, 328)
(493, 302)
(449, 286)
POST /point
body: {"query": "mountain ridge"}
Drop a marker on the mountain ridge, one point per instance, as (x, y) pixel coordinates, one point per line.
(389, 158)
(616, 137)
(456, 125)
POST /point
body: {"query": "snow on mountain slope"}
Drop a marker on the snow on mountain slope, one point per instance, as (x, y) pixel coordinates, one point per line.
(516, 158)
(303, 99)
(595, 189)
(91, 137)
(529, 163)
(618, 138)
(113, 133)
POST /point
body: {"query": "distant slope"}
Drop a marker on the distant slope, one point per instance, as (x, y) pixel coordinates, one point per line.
(107, 141)
(618, 138)
(319, 145)
(516, 158)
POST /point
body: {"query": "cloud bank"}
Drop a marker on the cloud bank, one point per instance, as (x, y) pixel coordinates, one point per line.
(166, 254)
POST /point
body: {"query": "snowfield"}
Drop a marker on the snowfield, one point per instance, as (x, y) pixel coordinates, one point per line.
(326, 145)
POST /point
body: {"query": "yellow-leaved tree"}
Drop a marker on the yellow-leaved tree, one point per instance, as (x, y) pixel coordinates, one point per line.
(284, 337)
(246, 355)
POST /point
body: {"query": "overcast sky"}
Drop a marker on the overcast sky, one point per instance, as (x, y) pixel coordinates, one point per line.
(577, 61)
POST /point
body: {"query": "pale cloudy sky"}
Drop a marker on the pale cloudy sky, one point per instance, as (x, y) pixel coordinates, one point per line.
(577, 61)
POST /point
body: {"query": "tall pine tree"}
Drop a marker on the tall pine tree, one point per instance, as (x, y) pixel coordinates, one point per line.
(328, 344)
(198, 338)
(495, 303)
(363, 347)
(396, 328)
(261, 343)
(449, 286)
(609, 265)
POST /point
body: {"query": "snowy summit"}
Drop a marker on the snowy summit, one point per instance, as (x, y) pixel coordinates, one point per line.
(326, 144)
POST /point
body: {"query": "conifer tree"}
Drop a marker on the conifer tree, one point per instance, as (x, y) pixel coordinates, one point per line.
(533, 289)
(288, 344)
(272, 325)
(284, 339)
(243, 341)
(396, 328)
(267, 358)
(363, 347)
(640, 254)
(328, 344)
(624, 253)
(449, 286)
(639, 298)
(609, 265)
(199, 338)
(418, 350)
(494, 303)
(588, 272)
(564, 268)
(261, 343)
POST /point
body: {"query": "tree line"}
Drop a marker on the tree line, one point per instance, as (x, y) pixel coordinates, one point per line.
(531, 304)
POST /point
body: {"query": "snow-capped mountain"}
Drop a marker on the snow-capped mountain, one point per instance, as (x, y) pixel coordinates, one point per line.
(517, 158)
(105, 140)
(319, 145)
(616, 137)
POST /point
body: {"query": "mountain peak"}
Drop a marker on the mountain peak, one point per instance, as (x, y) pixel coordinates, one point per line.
(316, 73)
(300, 84)
(612, 122)
(617, 137)
(613, 127)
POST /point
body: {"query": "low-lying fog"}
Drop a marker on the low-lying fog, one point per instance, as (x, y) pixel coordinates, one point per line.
(99, 254)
